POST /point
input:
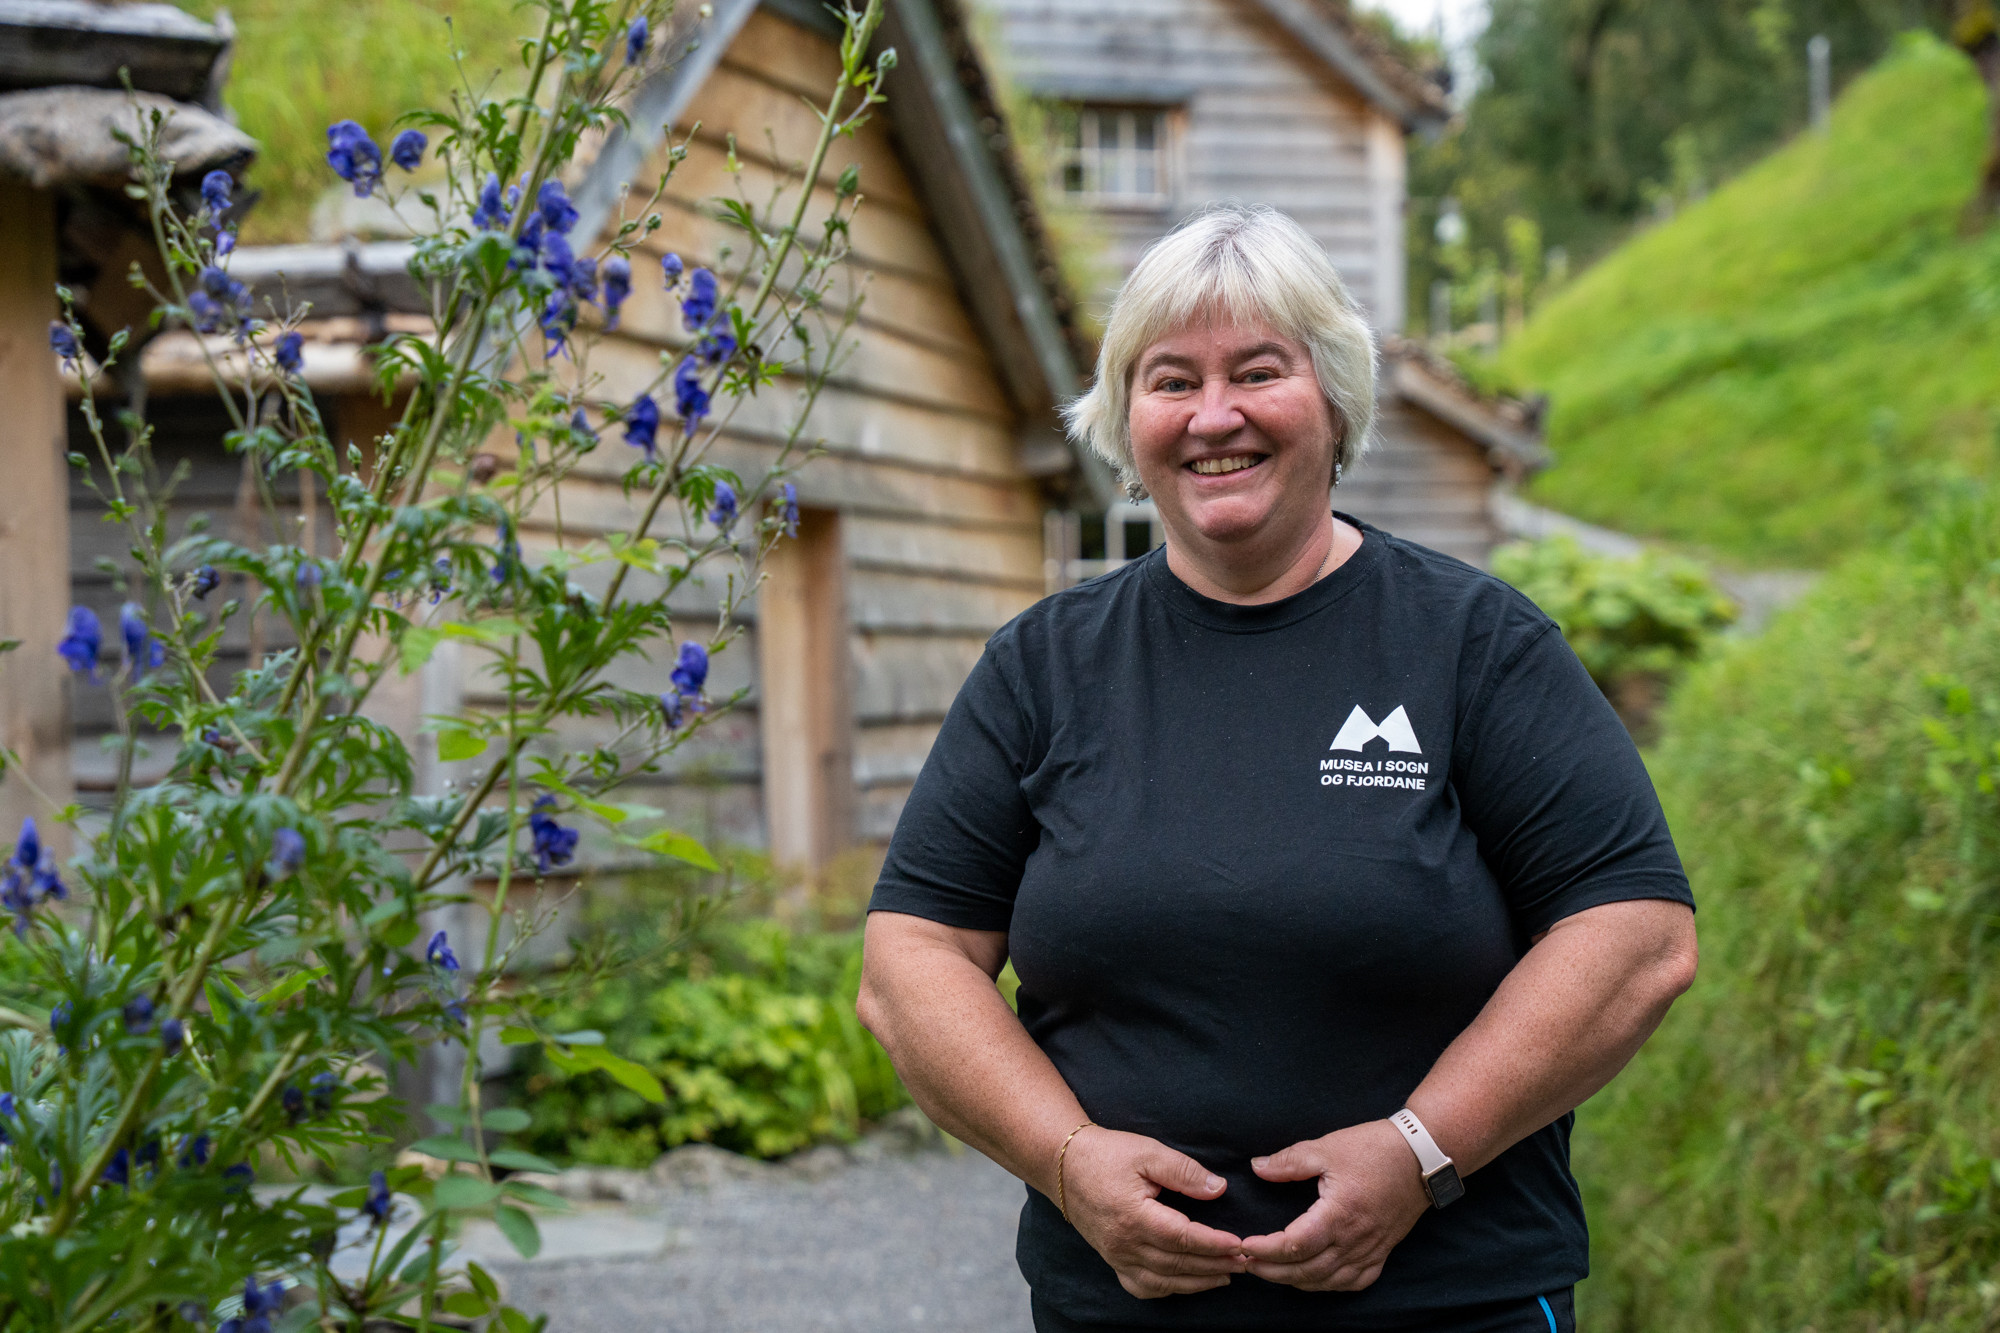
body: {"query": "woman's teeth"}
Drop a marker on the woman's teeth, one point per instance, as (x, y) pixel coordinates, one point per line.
(1215, 467)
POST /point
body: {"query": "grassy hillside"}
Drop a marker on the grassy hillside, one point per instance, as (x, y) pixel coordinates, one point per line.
(300, 67)
(1812, 1141)
(1762, 375)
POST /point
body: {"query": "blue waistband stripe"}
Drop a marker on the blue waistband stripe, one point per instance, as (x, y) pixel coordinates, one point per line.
(1550, 1313)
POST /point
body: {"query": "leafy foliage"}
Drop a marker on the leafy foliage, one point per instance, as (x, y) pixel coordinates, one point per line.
(752, 1032)
(1653, 613)
(1772, 375)
(250, 945)
(1812, 1140)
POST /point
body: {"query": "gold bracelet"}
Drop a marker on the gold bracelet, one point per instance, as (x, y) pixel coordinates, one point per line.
(1062, 1205)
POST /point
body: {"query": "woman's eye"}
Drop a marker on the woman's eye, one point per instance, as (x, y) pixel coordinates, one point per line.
(1174, 386)
(1260, 377)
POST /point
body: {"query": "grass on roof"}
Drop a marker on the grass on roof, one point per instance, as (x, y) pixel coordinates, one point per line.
(1768, 375)
(301, 66)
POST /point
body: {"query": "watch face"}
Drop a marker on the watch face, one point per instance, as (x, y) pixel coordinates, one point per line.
(1444, 1186)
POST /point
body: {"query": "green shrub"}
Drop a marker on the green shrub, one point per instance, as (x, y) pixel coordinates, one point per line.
(1812, 1140)
(751, 1029)
(1650, 614)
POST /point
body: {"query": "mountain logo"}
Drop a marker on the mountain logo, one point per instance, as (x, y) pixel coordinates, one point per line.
(1359, 729)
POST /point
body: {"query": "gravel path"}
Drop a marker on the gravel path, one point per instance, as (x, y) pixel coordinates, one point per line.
(888, 1242)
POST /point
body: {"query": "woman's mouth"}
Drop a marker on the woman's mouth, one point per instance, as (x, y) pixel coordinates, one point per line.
(1216, 467)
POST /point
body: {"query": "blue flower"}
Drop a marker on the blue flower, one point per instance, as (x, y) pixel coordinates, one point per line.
(288, 352)
(527, 246)
(554, 844)
(172, 1033)
(440, 579)
(225, 243)
(205, 312)
(716, 348)
(138, 1014)
(6, 1112)
(788, 509)
(294, 1102)
(308, 577)
(724, 512)
(29, 877)
(642, 424)
(558, 318)
(558, 258)
(583, 279)
(579, 427)
(691, 670)
(238, 1178)
(617, 287)
(288, 853)
(378, 1203)
(119, 1170)
(194, 1151)
(691, 398)
(439, 955)
(83, 641)
(59, 1018)
(698, 306)
(558, 214)
(636, 38)
(509, 553)
(672, 267)
(492, 214)
(204, 582)
(673, 708)
(324, 1088)
(354, 157)
(142, 650)
(62, 341)
(215, 189)
(407, 150)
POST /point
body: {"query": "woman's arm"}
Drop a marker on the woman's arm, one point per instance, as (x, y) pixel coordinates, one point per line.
(1569, 1016)
(927, 994)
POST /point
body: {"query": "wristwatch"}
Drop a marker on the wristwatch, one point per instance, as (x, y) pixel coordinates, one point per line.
(1441, 1180)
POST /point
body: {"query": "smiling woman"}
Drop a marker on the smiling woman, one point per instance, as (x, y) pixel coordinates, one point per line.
(1344, 884)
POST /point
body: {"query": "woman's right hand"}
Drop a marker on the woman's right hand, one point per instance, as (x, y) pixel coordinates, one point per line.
(1111, 1186)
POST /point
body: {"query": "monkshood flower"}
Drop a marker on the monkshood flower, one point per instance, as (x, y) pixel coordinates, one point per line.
(323, 1088)
(509, 553)
(215, 190)
(258, 1307)
(118, 1171)
(583, 279)
(527, 246)
(438, 953)
(62, 341)
(673, 708)
(204, 581)
(354, 157)
(788, 509)
(173, 1032)
(691, 398)
(378, 1203)
(491, 214)
(698, 306)
(142, 650)
(138, 1014)
(194, 1152)
(293, 1099)
(6, 1113)
(617, 286)
(579, 426)
(29, 878)
(558, 214)
(288, 854)
(716, 348)
(690, 672)
(83, 641)
(636, 38)
(308, 577)
(558, 258)
(440, 579)
(289, 352)
(407, 149)
(724, 512)
(59, 1018)
(672, 267)
(558, 318)
(642, 424)
(554, 844)
(238, 1178)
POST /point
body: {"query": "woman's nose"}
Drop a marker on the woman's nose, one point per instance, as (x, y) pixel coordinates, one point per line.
(1215, 413)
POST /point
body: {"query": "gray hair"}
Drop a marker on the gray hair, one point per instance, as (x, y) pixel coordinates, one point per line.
(1239, 264)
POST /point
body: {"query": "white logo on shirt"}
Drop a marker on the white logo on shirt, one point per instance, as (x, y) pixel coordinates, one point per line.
(1359, 729)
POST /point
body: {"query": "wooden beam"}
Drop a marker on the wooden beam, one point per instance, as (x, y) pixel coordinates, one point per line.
(804, 708)
(34, 521)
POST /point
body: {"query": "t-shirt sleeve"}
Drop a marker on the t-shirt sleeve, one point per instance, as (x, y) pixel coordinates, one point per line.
(1553, 787)
(966, 832)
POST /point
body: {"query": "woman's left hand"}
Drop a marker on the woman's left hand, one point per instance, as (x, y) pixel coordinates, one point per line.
(1370, 1195)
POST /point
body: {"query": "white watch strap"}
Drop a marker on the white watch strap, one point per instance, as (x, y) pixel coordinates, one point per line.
(1429, 1156)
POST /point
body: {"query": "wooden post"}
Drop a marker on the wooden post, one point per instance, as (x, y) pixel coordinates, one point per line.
(34, 518)
(804, 711)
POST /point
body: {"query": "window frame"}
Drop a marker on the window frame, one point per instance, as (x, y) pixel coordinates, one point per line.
(1085, 120)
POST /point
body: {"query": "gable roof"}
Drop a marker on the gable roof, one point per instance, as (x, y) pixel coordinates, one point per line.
(1508, 429)
(1329, 30)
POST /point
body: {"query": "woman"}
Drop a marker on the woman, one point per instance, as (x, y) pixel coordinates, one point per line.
(1332, 882)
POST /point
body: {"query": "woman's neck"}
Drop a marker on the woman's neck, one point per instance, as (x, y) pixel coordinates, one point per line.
(1228, 576)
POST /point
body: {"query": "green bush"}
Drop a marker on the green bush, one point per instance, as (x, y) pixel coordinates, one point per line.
(1812, 1140)
(752, 1031)
(1650, 614)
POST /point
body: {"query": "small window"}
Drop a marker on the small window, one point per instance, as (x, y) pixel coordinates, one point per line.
(1111, 154)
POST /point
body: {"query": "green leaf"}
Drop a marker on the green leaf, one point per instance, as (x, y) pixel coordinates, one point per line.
(450, 1149)
(519, 1229)
(464, 1192)
(535, 1194)
(447, 1114)
(581, 1037)
(681, 847)
(419, 642)
(292, 985)
(516, 1160)
(517, 1036)
(513, 1321)
(634, 1076)
(466, 1304)
(482, 1282)
(457, 744)
(506, 1119)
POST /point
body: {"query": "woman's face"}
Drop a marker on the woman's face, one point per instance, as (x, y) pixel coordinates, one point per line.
(1232, 436)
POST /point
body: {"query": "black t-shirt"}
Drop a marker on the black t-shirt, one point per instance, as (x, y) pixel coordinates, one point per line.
(1259, 865)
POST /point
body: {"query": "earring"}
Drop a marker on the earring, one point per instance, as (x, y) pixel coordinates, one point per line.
(1336, 474)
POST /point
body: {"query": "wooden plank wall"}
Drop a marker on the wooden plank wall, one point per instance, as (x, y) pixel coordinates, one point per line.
(940, 532)
(1265, 124)
(1426, 482)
